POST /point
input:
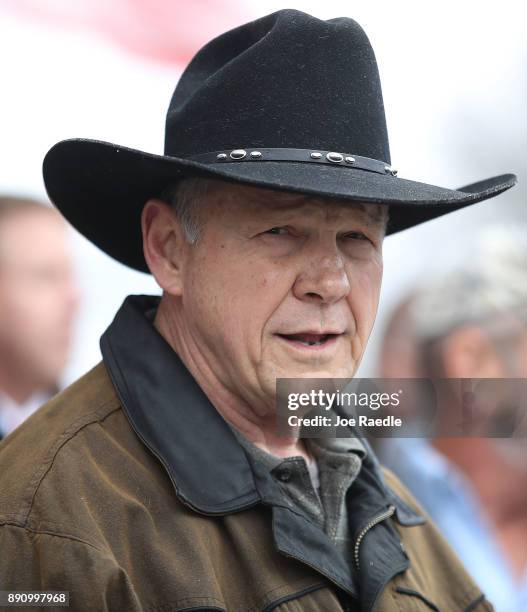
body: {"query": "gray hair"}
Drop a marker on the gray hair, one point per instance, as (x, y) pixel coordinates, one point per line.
(492, 285)
(490, 292)
(185, 197)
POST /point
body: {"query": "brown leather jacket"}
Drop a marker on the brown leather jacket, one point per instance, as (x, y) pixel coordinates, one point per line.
(130, 491)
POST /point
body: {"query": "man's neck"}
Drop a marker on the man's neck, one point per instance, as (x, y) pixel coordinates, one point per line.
(266, 438)
(260, 427)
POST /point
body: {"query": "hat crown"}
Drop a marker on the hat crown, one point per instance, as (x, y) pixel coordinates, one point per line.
(285, 80)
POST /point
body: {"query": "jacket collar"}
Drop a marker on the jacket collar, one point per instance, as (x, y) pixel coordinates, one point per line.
(173, 417)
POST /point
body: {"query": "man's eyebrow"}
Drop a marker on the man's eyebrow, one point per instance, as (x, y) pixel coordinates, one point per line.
(374, 212)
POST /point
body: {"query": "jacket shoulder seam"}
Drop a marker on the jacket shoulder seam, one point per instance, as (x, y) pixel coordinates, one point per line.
(12, 522)
(69, 434)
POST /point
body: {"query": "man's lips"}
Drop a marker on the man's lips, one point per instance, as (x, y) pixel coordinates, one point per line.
(311, 340)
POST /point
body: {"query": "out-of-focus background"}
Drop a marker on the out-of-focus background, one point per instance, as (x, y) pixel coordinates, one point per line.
(454, 78)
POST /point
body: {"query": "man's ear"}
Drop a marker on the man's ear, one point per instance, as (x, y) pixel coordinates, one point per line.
(164, 245)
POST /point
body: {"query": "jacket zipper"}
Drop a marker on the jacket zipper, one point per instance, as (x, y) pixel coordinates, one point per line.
(378, 519)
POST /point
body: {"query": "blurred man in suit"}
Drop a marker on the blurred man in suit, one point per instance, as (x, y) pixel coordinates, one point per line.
(38, 301)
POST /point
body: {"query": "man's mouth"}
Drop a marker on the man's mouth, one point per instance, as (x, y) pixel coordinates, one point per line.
(310, 339)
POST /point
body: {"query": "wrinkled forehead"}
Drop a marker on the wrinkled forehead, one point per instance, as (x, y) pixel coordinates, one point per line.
(261, 203)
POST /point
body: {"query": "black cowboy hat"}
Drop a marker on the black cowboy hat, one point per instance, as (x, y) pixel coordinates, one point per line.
(288, 102)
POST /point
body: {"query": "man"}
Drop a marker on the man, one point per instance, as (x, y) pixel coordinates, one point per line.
(475, 488)
(38, 301)
(168, 487)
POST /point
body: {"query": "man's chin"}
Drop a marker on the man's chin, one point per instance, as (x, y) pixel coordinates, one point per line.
(305, 371)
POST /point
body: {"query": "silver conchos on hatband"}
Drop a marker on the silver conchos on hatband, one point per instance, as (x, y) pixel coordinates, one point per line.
(238, 153)
(297, 155)
(334, 157)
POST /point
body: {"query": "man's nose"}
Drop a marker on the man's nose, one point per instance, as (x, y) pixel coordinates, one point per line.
(323, 279)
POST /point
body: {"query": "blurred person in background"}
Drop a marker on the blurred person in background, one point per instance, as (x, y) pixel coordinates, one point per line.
(38, 302)
(472, 323)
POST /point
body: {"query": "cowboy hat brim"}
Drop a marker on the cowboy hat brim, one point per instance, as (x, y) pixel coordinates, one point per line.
(101, 188)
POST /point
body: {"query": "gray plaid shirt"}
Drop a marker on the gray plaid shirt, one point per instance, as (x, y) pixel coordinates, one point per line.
(339, 462)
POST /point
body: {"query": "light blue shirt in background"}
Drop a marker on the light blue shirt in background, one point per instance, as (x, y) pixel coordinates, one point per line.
(449, 498)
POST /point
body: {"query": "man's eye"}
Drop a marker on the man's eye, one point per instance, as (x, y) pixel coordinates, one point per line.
(356, 236)
(277, 231)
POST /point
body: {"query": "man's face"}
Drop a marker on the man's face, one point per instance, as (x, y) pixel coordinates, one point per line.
(38, 297)
(282, 285)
